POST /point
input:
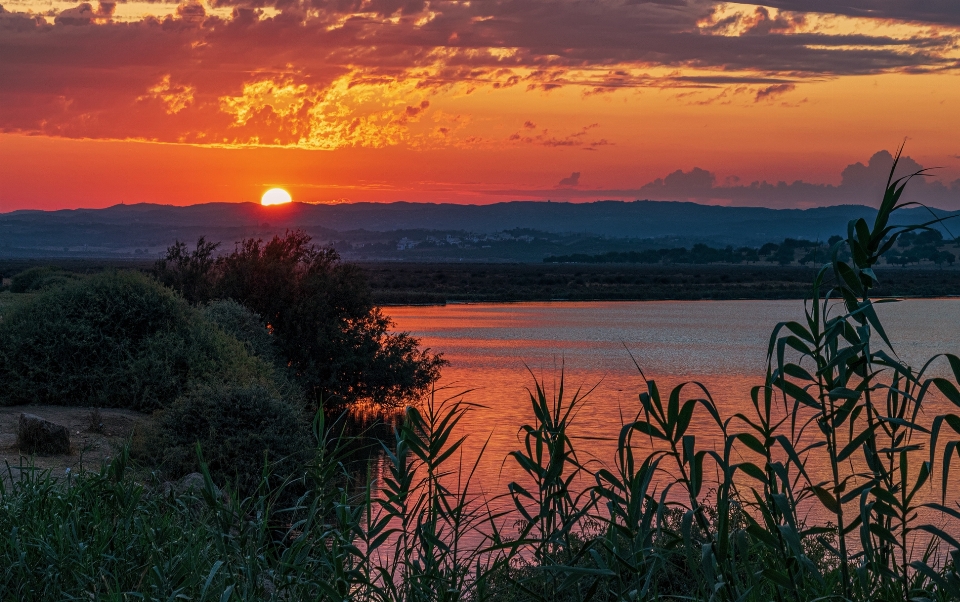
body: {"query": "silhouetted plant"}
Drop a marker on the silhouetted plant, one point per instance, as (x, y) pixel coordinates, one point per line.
(190, 273)
(325, 328)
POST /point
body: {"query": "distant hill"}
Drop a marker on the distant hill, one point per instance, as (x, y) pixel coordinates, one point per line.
(145, 229)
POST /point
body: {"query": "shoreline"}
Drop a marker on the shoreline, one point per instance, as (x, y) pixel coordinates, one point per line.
(441, 284)
(567, 301)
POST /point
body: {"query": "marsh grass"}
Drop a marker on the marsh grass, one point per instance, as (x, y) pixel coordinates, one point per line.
(837, 426)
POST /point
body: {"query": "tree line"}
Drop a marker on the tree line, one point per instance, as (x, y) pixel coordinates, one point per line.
(925, 246)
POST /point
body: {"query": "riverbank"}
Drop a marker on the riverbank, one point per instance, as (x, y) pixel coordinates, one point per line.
(439, 283)
(410, 283)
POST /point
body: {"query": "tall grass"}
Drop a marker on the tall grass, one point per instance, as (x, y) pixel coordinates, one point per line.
(834, 484)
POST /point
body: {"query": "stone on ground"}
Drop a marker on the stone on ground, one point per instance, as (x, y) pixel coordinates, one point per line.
(42, 437)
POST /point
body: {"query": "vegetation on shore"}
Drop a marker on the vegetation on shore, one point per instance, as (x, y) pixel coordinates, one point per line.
(236, 353)
(403, 284)
(834, 483)
(322, 320)
(927, 247)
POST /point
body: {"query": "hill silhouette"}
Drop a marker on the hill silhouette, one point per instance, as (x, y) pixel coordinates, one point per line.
(144, 229)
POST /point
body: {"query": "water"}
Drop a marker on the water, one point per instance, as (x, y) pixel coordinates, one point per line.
(493, 348)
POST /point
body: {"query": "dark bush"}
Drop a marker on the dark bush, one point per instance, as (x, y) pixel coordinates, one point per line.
(327, 332)
(117, 339)
(243, 325)
(189, 272)
(249, 328)
(767, 249)
(39, 278)
(238, 428)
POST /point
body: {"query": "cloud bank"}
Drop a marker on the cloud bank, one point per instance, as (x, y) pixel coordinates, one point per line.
(327, 74)
(861, 184)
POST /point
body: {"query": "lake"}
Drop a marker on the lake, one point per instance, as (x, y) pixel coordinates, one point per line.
(492, 349)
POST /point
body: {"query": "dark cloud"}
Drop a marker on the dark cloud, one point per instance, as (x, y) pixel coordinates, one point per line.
(695, 183)
(192, 12)
(876, 171)
(80, 15)
(580, 138)
(183, 78)
(413, 113)
(860, 184)
(573, 180)
(930, 11)
(771, 92)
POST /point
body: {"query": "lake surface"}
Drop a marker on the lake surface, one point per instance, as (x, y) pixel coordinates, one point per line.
(493, 348)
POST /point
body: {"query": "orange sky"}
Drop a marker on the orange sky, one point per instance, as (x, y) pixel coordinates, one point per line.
(472, 102)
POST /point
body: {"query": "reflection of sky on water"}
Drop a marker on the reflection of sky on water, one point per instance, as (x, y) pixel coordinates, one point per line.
(719, 343)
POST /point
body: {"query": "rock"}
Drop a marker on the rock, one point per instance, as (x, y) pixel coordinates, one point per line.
(191, 484)
(38, 436)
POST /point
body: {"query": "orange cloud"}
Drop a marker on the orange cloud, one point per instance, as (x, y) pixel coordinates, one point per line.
(303, 73)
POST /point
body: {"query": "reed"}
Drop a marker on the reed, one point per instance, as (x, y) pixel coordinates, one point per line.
(837, 431)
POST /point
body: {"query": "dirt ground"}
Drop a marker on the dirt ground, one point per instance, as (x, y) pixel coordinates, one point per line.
(90, 444)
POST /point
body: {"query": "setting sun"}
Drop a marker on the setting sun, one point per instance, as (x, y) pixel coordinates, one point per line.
(275, 196)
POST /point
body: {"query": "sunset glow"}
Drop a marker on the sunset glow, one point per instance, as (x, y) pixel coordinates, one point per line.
(472, 102)
(275, 196)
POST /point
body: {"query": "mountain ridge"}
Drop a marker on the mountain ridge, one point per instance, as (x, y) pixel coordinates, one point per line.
(153, 226)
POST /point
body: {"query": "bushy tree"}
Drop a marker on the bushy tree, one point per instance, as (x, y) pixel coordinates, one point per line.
(244, 325)
(239, 429)
(189, 272)
(768, 249)
(326, 330)
(116, 339)
(39, 278)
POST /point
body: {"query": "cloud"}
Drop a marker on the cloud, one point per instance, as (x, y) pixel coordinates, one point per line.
(771, 92)
(83, 14)
(876, 171)
(573, 180)
(930, 11)
(694, 183)
(579, 138)
(861, 183)
(413, 113)
(357, 71)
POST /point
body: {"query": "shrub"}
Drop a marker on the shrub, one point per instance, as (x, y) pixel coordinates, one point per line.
(39, 278)
(190, 273)
(324, 324)
(116, 339)
(248, 328)
(243, 325)
(238, 429)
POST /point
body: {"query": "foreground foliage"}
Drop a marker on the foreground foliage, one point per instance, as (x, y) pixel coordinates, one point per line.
(116, 339)
(326, 330)
(240, 429)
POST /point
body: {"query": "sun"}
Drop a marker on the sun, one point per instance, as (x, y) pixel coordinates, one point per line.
(275, 196)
